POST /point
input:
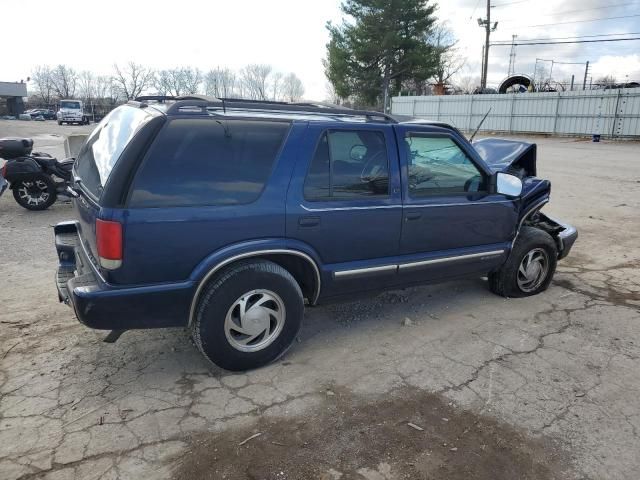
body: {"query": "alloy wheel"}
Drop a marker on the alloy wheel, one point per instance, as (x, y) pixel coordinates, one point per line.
(533, 270)
(255, 320)
(34, 192)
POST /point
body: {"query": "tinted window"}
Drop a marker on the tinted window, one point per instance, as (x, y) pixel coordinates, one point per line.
(437, 165)
(103, 147)
(348, 164)
(208, 162)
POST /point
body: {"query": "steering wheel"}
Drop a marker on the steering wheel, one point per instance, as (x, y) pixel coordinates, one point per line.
(369, 172)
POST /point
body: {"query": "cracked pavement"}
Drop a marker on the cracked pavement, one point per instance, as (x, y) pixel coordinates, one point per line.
(563, 365)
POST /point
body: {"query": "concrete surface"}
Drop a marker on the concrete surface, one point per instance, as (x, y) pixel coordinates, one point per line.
(562, 367)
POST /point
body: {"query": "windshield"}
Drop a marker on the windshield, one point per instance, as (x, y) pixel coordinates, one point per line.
(70, 105)
(103, 147)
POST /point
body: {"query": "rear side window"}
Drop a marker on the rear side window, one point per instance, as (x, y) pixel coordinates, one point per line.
(106, 143)
(207, 162)
(348, 164)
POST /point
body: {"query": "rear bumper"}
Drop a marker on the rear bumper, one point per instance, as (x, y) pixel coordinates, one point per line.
(104, 306)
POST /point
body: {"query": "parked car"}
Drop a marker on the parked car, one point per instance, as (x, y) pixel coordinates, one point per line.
(42, 112)
(227, 217)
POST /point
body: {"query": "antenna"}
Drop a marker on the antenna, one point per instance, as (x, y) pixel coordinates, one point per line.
(480, 124)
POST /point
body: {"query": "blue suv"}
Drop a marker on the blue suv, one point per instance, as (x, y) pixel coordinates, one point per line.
(228, 217)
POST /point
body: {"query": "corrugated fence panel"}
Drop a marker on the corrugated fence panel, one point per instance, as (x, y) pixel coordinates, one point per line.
(584, 112)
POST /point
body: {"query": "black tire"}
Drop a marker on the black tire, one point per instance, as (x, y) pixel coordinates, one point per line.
(210, 331)
(506, 281)
(59, 122)
(22, 187)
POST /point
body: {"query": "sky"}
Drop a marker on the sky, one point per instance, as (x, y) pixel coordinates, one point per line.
(291, 35)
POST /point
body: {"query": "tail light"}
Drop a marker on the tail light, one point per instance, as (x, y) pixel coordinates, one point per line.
(109, 243)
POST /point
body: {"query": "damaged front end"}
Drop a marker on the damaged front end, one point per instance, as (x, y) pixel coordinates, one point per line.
(519, 159)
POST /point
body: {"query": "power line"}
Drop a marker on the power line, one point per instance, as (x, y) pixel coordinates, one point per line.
(474, 9)
(580, 21)
(574, 37)
(573, 41)
(509, 20)
(510, 3)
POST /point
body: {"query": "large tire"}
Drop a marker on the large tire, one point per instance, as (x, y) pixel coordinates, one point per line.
(37, 192)
(530, 266)
(248, 315)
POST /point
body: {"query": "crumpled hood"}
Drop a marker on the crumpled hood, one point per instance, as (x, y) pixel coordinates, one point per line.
(508, 155)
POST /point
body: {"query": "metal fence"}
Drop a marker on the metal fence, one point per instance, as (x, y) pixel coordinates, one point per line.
(610, 113)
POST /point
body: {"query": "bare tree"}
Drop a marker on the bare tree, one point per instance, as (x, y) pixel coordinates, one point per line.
(132, 79)
(331, 95)
(178, 81)
(255, 80)
(277, 86)
(168, 82)
(220, 82)
(606, 80)
(448, 60)
(292, 88)
(86, 86)
(467, 83)
(64, 80)
(41, 77)
(102, 87)
(191, 79)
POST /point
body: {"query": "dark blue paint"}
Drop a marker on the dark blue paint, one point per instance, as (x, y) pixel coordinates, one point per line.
(169, 250)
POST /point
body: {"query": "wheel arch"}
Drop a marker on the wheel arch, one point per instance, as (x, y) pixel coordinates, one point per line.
(302, 266)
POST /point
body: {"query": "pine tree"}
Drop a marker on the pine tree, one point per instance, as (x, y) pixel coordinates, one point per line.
(382, 44)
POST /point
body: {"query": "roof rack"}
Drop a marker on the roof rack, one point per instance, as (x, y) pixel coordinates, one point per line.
(203, 105)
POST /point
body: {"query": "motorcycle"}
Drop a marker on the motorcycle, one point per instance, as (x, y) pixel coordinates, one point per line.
(35, 178)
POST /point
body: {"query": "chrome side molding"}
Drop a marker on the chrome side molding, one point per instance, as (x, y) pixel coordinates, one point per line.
(339, 274)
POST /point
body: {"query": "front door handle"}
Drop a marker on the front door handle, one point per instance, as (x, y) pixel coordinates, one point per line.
(413, 216)
(309, 221)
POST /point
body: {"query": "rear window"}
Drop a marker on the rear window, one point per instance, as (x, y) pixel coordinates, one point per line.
(208, 162)
(106, 143)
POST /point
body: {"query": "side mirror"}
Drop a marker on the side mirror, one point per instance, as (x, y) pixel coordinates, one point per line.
(508, 185)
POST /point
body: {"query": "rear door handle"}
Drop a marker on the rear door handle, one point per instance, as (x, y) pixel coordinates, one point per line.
(309, 221)
(413, 216)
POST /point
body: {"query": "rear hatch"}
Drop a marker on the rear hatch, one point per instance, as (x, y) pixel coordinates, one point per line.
(94, 164)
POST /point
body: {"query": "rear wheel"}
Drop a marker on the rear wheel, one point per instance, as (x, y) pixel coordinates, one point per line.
(248, 316)
(37, 192)
(530, 266)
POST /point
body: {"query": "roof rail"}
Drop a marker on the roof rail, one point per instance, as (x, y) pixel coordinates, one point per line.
(205, 104)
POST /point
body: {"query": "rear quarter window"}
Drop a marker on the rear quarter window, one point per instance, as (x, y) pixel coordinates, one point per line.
(208, 162)
(106, 143)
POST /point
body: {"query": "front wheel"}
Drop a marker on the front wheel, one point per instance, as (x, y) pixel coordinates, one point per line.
(37, 192)
(530, 266)
(248, 316)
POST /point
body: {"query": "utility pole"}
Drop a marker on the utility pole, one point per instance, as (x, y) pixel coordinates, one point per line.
(488, 28)
(512, 56)
(482, 67)
(586, 71)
